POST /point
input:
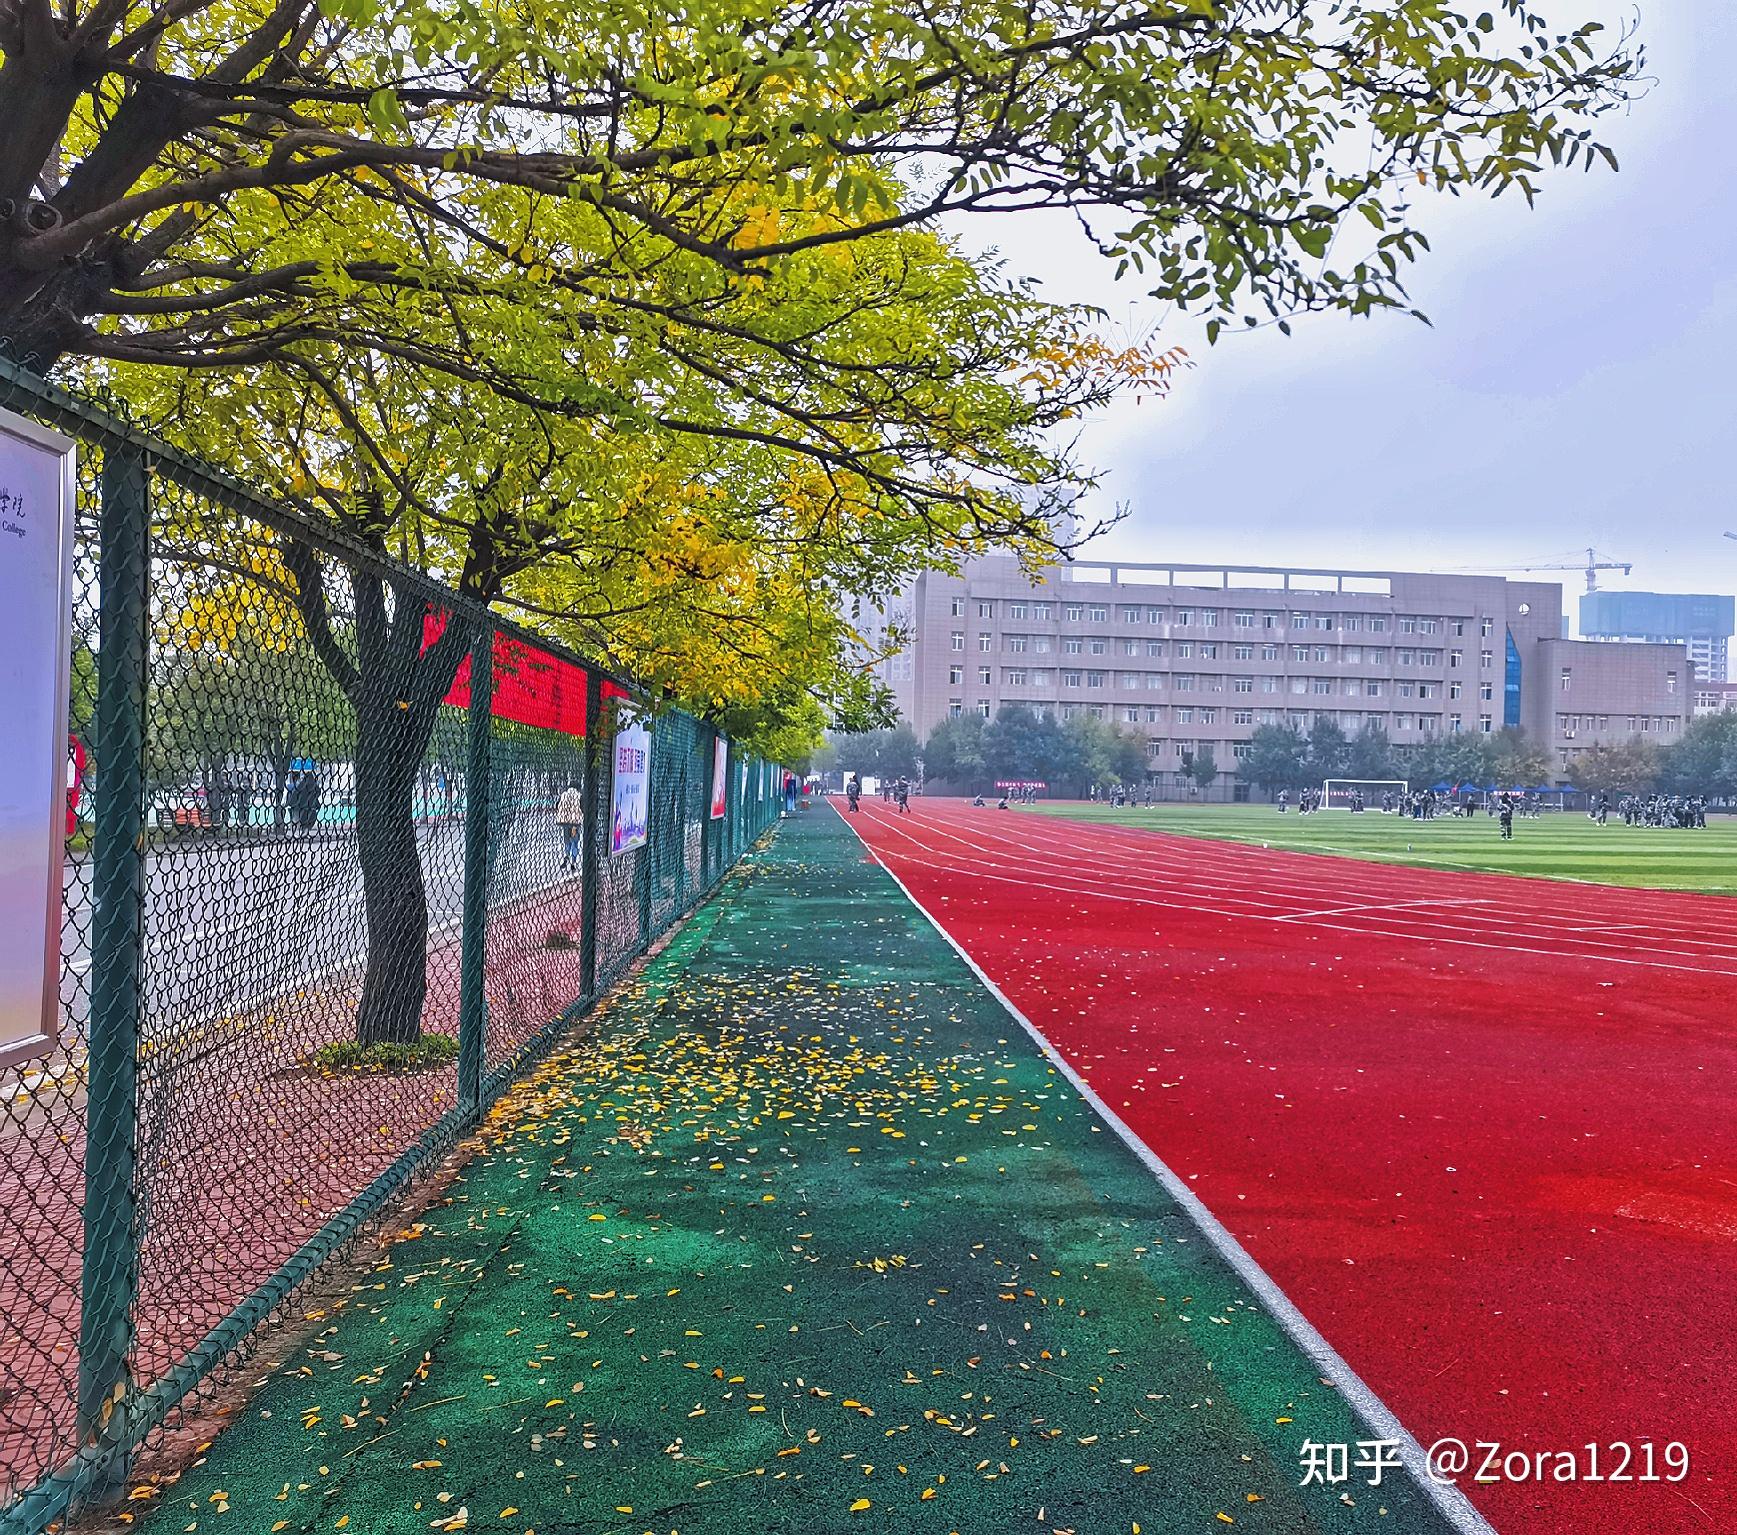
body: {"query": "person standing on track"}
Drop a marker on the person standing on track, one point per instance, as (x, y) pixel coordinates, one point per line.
(1506, 816)
(902, 796)
(569, 814)
(853, 792)
(1284, 800)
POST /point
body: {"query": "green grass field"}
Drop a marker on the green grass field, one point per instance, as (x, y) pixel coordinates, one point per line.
(1559, 845)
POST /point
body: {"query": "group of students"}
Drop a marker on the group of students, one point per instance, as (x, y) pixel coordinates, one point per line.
(1685, 812)
(899, 792)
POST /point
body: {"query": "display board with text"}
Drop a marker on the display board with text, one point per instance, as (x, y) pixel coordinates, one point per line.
(36, 494)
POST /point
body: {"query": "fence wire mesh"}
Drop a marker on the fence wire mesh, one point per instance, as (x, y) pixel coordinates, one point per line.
(303, 822)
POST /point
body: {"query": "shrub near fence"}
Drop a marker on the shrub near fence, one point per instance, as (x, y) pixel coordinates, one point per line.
(319, 809)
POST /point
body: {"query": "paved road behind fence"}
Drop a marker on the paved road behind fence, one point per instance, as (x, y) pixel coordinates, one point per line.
(810, 1237)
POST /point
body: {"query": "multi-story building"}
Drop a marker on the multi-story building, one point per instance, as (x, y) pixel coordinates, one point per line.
(1197, 657)
(1703, 622)
(1715, 698)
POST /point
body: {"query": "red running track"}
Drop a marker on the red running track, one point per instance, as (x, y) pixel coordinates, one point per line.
(1482, 1130)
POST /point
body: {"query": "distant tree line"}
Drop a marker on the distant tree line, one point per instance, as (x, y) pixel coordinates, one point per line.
(968, 754)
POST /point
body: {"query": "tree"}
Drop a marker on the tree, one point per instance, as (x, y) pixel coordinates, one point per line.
(543, 158)
(890, 753)
(1628, 767)
(1519, 762)
(1704, 759)
(1202, 769)
(1278, 758)
(954, 752)
(1370, 754)
(1329, 751)
(1021, 745)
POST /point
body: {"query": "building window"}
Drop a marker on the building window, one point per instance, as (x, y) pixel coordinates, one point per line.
(1073, 647)
(1185, 616)
(986, 610)
(1017, 677)
(1185, 682)
(1209, 652)
(1017, 643)
(1567, 678)
(1040, 644)
(1130, 679)
(1299, 652)
(986, 642)
(1100, 647)
(1154, 615)
(1130, 615)
(1269, 652)
(1321, 685)
(1351, 623)
(1405, 657)
(1130, 647)
(1075, 612)
(1041, 610)
(1487, 724)
(984, 675)
(1100, 615)
(1131, 716)
(1017, 610)
(1378, 623)
(1455, 689)
(1209, 618)
(1242, 716)
(1486, 627)
(1487, 692)
(1155, 648)
(958, 639)
(1184, 649)
(1094, 679)
(1322, 653)
(983, 708)
(1242, 751)
(1456, 658)
(1070, 679)
(1408, 626)
(956, 675)
(1372, 689)
(1244, 621)
(1670, 682)
(1245, 684)
(958, 607)
(1486, 659)
(1242, 652)
(1209, 716)
(955, 708)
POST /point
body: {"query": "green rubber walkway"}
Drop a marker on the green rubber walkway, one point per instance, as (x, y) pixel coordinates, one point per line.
(807, 1237)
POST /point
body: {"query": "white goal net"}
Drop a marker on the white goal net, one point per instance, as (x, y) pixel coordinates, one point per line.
(1363, 793)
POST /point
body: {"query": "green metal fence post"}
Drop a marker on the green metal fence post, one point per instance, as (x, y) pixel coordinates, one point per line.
(473, 1007)
(646, 853)
(110, 1280)
(591, 795)
(708, 831)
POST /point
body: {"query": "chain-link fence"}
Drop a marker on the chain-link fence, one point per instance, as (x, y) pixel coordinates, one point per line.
(319, 803)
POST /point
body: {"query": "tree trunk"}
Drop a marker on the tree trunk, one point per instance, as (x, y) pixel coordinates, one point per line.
(394, 897)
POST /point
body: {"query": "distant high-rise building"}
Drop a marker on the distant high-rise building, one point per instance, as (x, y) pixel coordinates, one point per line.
(1703, 622)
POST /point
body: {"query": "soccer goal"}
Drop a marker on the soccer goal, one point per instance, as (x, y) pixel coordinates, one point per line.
(1362, 793)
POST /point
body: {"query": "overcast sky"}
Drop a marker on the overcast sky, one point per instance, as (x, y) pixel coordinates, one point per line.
(1577, 387)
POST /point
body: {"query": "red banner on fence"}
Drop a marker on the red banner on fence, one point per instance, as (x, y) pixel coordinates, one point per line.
(531, 686)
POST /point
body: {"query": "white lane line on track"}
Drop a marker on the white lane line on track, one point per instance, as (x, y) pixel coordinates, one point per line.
(1340, 911)
(1376, 1415)
(1015, 857)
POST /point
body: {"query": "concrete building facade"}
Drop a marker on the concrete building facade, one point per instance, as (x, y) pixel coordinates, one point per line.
(1702, 621)
(1197, 657)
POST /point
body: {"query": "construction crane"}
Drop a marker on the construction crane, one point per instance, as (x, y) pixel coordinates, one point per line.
(1591, 565)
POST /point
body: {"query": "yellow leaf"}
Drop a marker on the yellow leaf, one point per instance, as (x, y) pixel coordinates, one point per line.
(860, 1504)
